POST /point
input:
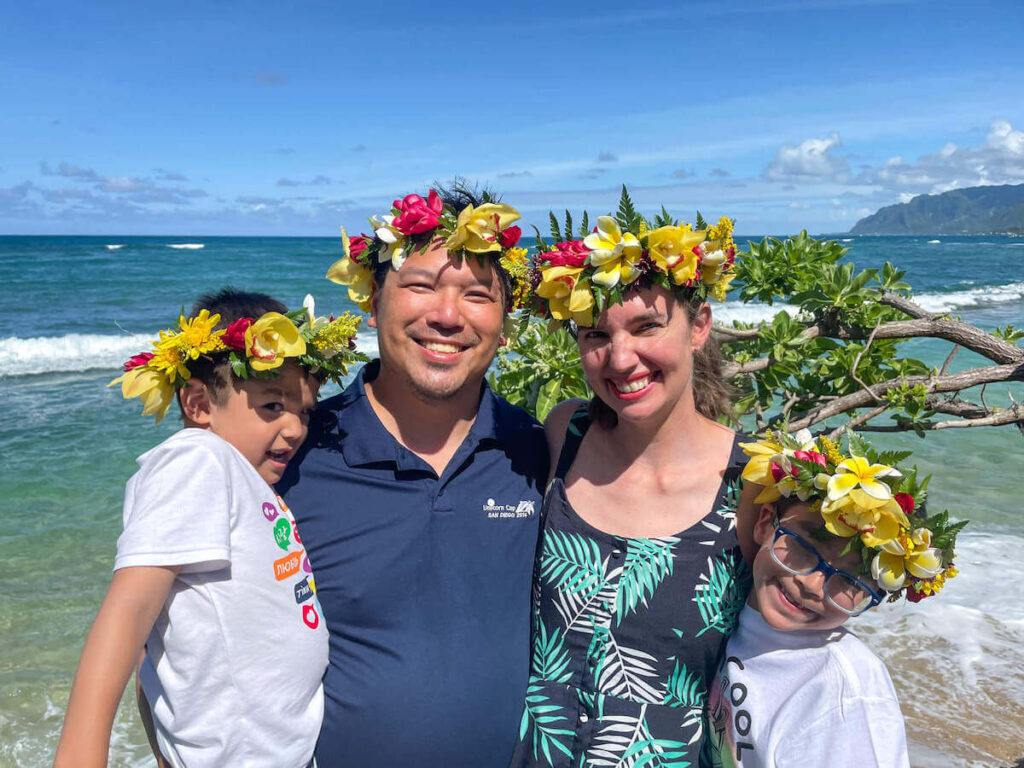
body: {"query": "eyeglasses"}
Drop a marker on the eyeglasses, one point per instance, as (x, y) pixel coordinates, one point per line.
(844, 591)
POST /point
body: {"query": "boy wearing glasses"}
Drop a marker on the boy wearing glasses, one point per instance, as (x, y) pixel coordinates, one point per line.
(836, 534)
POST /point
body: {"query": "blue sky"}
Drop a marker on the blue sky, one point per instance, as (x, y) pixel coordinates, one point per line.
(295, 118)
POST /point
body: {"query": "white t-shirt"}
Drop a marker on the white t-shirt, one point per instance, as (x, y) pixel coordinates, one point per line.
(235, 660)
(807, 698)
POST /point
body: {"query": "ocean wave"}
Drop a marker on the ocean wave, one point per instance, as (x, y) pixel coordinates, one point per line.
(959, 651)
(115, 246)
(933, 242)
(73, 352)
(86, 352)
(725, 314)
(187, 246)
(973, 298)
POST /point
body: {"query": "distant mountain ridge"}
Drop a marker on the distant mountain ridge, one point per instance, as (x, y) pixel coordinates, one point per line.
(969, 211)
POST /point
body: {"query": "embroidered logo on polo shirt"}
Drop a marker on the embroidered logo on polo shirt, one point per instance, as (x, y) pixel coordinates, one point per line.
(523, 509)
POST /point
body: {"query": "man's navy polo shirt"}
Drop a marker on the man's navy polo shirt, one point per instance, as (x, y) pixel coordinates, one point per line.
(424, 583)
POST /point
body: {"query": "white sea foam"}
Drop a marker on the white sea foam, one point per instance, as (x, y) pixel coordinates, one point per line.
(931, 242)
(726, 313)
(973, 298)
(960, 651)
(187, 246)
(74, 352)
(115, 246)
(85, 351)
(847, 239)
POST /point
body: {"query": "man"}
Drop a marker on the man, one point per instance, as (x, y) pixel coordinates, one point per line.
(418, 495)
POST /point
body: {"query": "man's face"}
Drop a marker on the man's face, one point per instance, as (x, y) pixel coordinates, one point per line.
(438, 322)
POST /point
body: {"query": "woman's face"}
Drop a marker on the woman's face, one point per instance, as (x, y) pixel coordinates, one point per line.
(638, 357)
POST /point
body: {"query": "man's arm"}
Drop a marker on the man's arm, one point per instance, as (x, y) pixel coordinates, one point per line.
(111, 651)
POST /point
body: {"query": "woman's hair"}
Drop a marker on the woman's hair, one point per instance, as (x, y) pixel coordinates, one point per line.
(711, 391)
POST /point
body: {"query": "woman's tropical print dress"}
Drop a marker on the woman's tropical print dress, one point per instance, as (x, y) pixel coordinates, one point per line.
(627, 633)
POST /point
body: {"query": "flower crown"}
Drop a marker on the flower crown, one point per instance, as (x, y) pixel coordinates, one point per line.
(414, 223)
(575, 278)
(256, 348)
(863, 498)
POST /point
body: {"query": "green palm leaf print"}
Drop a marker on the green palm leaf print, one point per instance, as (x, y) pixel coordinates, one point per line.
(683, 688)
(571, 562)
(721, 592)
(540, 716)
(550, 656)
(647, 563)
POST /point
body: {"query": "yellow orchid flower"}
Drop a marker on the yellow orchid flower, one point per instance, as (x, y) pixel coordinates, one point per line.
(758, 469)
(910, 552)
(152, 387)
(270, 340)
(477, 228)
(876, 525)
(671, 248)
(614, 253)
(569, 298)
(348, 271)
(855, 474)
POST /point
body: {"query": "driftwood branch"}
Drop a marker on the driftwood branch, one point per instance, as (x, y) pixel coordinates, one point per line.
(954, 382)
(858, 420)
(1002, 417)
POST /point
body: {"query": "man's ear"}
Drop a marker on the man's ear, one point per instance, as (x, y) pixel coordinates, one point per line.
(764, 526)
(196, 400)
(374, 298)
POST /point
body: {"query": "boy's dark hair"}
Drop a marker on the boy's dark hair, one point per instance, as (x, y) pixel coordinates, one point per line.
(231, 304)
(457, 195)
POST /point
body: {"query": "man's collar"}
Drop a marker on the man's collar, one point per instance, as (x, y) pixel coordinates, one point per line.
(365, 440)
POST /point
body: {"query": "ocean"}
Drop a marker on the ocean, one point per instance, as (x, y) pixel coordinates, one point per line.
(72, 309)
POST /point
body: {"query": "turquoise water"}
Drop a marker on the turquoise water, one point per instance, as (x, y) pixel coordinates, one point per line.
(72, 309)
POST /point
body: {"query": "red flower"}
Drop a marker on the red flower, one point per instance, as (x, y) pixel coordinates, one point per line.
(418, 215)
(356, 246)
(814, 456)
(234, 334)
(138, 360)
(906, 502)
(914, 596)
(510, 237)
(571, 254)
(778, 473)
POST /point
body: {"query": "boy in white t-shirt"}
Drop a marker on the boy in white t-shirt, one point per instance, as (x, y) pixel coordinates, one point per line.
(210, 573)
(836, 534)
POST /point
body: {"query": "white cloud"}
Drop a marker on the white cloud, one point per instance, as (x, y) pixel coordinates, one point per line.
(811, 161)
(999, 159)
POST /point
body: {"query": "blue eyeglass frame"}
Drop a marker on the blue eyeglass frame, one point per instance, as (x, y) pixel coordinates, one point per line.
(828, 570)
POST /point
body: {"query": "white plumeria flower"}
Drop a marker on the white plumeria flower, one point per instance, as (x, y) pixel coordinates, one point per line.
(394, 242)
(909, 553)
(613, 253)
(309, 304)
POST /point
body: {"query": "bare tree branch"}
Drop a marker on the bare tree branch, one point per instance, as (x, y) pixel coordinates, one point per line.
(955, 382)
(856, 362)
(1002, 417)
(858, 420)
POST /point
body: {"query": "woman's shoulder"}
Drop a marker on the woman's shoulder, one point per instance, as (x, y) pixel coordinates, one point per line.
(557, 424)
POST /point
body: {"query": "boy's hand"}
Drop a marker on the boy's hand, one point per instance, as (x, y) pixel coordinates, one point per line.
(111, 651)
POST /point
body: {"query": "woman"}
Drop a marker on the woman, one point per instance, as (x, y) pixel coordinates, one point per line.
(639, 577)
